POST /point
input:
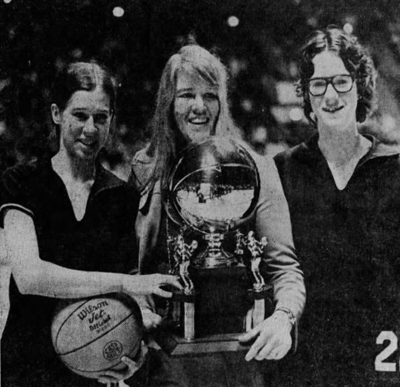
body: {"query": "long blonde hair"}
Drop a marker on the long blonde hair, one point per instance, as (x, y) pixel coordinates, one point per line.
(165, 138)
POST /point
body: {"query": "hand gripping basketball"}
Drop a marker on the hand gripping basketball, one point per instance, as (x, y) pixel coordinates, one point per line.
(150, 284)
(93, 337)
(131, 367)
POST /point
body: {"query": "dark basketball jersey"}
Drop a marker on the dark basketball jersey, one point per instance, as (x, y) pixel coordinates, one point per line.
(104, 240)
(349, 248)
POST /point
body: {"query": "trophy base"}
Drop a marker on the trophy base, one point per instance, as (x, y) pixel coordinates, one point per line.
(175, 345)
(214, 317)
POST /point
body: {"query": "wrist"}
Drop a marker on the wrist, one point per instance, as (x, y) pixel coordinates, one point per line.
(123, 283)
(291, 318)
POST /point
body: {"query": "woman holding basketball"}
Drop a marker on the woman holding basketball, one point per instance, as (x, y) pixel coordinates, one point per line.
(69, 229)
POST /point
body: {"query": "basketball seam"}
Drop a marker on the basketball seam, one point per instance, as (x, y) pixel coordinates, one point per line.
(65, 321)
(97, 338)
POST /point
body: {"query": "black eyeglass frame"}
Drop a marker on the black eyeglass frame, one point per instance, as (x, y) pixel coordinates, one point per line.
(329, 81)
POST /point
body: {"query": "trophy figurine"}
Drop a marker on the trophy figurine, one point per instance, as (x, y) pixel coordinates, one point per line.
(212, 191)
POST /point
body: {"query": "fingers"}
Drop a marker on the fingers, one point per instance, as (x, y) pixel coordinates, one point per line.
(132, 367)
(142, 356)
(271, 344)
(263, 334)
(113, 376)
(249, 335)
(254, 349)
(150, 320)
(162, 293)
(108, 380)
(274, 353)
(172, 280)
(165, 279)
(266, 350)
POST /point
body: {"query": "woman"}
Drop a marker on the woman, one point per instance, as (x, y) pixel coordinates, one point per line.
(191, 106)
(69, 229)
(342, 190)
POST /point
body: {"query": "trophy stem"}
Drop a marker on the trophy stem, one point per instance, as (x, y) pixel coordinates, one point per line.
(214, 255)
(259, 312)
(176, 312)
(189, 312)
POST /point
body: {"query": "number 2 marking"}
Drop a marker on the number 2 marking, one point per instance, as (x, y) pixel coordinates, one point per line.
(380, 364)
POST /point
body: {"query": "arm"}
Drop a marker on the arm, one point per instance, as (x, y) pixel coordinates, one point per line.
(5, 275)
(35, 276)
(147, 231)
(279, 266)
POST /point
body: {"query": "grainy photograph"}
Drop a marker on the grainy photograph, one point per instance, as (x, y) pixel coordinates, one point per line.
(199, 193)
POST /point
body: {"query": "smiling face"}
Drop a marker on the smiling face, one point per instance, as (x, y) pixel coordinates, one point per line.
(196, 106)
(84, 123)
(333, 110)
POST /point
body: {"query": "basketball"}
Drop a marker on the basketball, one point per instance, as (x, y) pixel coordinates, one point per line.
(91, 336)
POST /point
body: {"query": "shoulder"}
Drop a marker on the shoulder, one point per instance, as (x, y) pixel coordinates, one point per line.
(116, 198)
(106, 181)
(380, 149)
(22, 177)
(265, 165)
(300, 158)
(296, 153)
(142, 167)
(259, 160)
(22, 187)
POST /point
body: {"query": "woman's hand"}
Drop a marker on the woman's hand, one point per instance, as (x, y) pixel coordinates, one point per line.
(150, 284)
(151, 320)
(273, 339)
(110, 376)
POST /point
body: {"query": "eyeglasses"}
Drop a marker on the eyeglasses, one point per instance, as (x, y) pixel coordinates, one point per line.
(341, 83)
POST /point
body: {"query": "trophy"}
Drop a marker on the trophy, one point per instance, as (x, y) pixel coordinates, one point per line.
(212, 191)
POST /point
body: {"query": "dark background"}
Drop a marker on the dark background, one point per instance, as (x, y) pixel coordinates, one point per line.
(38, 37)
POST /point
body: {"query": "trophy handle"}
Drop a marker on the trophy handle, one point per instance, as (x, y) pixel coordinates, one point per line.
(260, 291)
(182, 253)
(256, 249)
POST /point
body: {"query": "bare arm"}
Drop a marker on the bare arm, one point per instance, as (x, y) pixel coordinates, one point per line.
(35, 276)
(5, 273)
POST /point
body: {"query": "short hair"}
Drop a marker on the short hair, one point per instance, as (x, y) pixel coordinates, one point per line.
(355, 58)
(82, 76)
(165, 137)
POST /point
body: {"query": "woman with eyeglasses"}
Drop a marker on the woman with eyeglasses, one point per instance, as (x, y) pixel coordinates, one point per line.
(343, 194)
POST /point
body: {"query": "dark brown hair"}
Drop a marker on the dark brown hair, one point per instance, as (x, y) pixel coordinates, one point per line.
(82, 76)
(355, 58)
